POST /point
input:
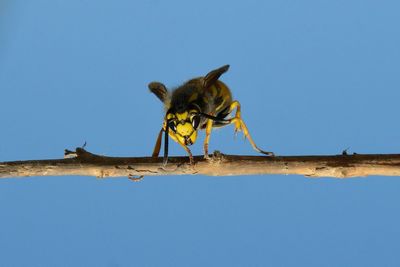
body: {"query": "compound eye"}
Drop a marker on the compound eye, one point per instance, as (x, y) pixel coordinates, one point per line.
(172, 126)
(195, 121)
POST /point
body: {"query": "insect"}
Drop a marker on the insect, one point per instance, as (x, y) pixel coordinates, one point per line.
(200, 103)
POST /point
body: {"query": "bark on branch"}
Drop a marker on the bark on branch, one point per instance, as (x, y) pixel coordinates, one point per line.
(88, 164)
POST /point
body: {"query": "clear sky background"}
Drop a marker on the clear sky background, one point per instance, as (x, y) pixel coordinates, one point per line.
(313, 77)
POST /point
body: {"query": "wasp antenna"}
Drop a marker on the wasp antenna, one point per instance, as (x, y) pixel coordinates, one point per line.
(165, 161)
(159, 90)
(213, 76)
(157, 146)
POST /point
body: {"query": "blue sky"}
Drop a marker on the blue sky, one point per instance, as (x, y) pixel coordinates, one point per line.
(313, 77)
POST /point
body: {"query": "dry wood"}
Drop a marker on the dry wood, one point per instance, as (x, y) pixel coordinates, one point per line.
(88, 164)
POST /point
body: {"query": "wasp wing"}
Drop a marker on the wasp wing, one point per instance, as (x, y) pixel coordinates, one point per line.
(214, 75)
(159, 90)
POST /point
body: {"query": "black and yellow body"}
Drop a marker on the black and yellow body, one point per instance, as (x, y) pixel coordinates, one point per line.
(201, 103)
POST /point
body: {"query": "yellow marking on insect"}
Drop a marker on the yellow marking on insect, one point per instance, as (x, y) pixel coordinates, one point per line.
(193, 97)
(186, 134)
(214, 91)
(184, 129)
(170, 116)
(193, 137)
(223, 90)
(182, 116)
(221, 105)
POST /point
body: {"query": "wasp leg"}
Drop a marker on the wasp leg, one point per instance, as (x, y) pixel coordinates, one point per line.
(238, 116)
(207, 139)
(241, 126)
(173, 137)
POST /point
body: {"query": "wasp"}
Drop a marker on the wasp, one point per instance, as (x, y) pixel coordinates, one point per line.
(200, 103)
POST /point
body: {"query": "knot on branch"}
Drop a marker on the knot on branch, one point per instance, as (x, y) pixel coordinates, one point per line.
(217, 157)
(81, 154)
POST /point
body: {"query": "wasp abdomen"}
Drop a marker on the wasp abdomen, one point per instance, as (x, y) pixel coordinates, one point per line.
(221, 97)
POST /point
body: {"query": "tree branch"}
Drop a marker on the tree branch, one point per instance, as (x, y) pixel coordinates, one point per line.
(88, 164)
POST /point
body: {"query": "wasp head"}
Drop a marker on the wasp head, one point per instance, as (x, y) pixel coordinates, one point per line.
(184, 125)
